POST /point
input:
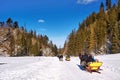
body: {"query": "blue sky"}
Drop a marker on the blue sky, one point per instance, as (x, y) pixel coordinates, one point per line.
(54, 18)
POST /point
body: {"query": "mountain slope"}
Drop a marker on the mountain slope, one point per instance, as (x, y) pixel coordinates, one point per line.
(19, 42)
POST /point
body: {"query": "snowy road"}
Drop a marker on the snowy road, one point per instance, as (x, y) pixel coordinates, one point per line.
(50, 68)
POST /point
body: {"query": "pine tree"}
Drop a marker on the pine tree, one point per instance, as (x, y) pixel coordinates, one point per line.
(15, 24)
(9, 22)
(55, 50)
(92, 38)
(12, 46)
(108, 4)
(118, 3)
(101, 14)
(23, 44)
(118, 18)
(28, 44)
(2, 24)
(115, 40)
(71, 44)
(101, 8)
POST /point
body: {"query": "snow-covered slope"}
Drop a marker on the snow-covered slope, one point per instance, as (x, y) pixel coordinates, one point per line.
(50, 68)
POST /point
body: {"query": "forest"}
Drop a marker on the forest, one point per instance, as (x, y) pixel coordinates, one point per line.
(99, 33)
(17, 41)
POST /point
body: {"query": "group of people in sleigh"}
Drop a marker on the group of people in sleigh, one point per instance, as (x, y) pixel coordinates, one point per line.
(86, 59)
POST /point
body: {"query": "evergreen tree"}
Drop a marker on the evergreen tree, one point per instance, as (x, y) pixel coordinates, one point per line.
(71, 44)
(2, 24)
(15, 24)
(28, 43)
(101, 8)
(118, 3)
(31, 33)
(101, 14)
(115, 40)
(9, 22)
(23, 44)
(118, 18)
(108, 4)
(55, 50)
(92, 38)
(12, 46)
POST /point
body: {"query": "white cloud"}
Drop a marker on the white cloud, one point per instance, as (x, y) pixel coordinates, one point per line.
(41, 21)
(85, 1)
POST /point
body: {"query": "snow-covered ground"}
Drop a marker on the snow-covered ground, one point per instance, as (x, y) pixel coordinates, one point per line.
(50, 68)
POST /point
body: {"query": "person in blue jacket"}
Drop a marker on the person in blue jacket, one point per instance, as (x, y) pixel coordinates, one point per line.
(85, 59)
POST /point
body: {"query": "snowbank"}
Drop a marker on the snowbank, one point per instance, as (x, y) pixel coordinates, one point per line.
(50, 68)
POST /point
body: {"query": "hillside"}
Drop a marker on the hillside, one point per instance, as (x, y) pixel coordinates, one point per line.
(17, 41)
(50, 68)
(99, 33)
(5, 35)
